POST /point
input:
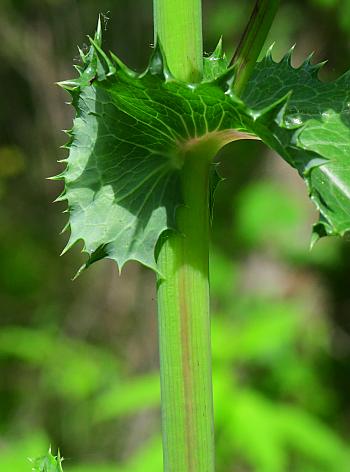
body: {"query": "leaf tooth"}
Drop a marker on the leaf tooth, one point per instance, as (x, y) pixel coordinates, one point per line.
(274, 112)
(122, 66)
(225, 81)
(307, 63)
(312, 69)
(82, 56)
(69, 245)
(79, 271)
(155, 66)
(71, 86)
(287, 58)
(66, 84)
(67, 145)
(315, 236)
(98, 33)
(104, 60)
(315, 68)
(158, 64)
(93, 256)
(60, 176)
(62, 197)
(268, 56)
(217, 53)
(78, 68)
(319, 230)
(68, 132)
(65, 227)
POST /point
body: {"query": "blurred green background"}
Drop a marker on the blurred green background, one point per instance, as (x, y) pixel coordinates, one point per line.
(78, 360)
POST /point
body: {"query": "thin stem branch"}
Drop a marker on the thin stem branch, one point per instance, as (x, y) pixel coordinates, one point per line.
(252, 41)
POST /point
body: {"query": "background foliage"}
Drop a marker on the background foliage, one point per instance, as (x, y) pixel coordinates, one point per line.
(78, 360)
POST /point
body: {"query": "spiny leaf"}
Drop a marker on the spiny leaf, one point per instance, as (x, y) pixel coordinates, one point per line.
(132, 132)
(47, 463)
(318, 114)
(122, 180)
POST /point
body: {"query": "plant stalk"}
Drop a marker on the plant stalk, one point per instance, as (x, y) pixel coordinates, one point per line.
(183, 289)
(178, 27)
(252, 41)
(184, 331)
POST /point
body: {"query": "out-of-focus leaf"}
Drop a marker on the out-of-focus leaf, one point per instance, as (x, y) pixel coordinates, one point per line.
(127, 397)
(264, 330)
(48, 463)
(269, 217)
(266, 214)
(147, 458)
(21, 271)
(14, 452)
(70, 367)
(223, 276)
(12, 161)
(265, 434)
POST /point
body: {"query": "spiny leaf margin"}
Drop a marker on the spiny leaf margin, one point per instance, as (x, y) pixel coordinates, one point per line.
(318, 117)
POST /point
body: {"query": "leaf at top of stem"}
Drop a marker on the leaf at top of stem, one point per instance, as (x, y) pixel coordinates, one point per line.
(132, 133)
(47, 463)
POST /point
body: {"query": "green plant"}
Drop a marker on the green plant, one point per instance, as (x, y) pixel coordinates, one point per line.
(48, 463)
(139, 179)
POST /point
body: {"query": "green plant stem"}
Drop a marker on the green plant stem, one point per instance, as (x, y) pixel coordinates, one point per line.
(183, 291)
(178, 27)
(184, 331)
(252, 41)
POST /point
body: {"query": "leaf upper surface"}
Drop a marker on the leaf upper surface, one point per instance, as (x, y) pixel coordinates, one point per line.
(319, 146)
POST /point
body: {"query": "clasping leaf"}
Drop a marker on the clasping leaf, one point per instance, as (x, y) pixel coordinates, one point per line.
(132, 131)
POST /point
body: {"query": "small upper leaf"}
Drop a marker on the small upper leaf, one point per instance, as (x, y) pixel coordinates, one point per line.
(131, 132)
(47, 463)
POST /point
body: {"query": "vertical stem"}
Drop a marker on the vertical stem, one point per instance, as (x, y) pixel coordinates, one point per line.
(178, 26)
(184, 332)
(183, 292)
(252, 41)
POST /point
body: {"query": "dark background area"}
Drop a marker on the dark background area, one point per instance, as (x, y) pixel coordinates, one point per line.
(78, 360)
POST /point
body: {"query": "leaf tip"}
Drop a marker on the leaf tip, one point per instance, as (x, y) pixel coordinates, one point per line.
(68, 246)
(268, 54)
(70, 86)
(218, 52)
(98, 33)
(287, 58)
